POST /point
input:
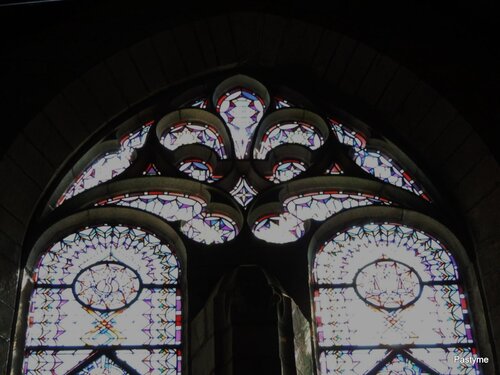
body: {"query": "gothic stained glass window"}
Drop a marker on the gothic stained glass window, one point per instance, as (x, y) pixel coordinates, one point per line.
(251, 157)
(196, 223)
(387, 299)
(106, 299)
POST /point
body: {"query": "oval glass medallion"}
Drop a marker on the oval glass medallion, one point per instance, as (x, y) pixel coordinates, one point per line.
(107, 286)
(388, 284)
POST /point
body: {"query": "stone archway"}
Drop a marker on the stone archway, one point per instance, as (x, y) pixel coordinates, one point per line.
(425, 123)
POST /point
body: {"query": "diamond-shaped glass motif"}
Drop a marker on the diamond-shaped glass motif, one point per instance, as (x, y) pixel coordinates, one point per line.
(243, 192)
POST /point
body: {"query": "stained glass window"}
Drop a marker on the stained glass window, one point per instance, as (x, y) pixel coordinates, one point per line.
(106, 300)
(151, 170)
(376, 162)
(384, 168)
(107, 166)
(289, 225)
(201, 103)
(209, 228)
(243, 192)
(286, 170)
(198, 170)
(293, 133)
(387, 300)
(280, 102)
(192, 133)
(335, 169)
(242, 111)
(386, 297)
(196, 223)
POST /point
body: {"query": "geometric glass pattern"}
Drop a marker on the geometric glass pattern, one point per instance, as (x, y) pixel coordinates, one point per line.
(243, 192)
(335, 169)
(289, 133)
(286, 171)
(198, 170)
(199, 103)
(101, 294)
(282, 103)
(375, 162)
(107, 166)
(281, 228)
(106, 286)
(321, 206)
(387, 300)
(151, 170)
(209, 228)
(347, 136)
(289, 225)
(187, 133)
(384, 168)
(168, 205)
(242, 111)
(196, 224)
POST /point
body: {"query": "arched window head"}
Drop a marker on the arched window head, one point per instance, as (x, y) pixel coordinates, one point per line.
(243, 137)
(387, 299)
(106, 299)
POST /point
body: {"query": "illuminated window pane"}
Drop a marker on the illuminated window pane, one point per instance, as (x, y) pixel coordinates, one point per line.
(243, 192)
(151, 170)
(199, 103)
(335, 169)
(286, 171)
(190, 133)
(169, 206)
(289, 133)
(321, 206)
(279, 229)
(210, 228)
(347, 136)
(107, 166)
(289, 225)
(97, 291)
(242, 111)
(198, 170)
(376, 162)
(387, 170)
(280, 103)
(380, 286)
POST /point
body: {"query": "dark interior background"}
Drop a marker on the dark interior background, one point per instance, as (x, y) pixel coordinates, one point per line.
(45, 45)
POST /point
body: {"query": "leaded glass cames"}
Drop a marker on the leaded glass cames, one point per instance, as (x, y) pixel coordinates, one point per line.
(386, 297)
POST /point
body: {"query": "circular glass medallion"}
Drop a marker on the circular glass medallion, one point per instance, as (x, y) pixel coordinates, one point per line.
(107, 286)
(388, 284)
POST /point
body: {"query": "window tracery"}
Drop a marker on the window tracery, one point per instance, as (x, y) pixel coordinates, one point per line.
(242, 157)
(387, 298)
(105, 298)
